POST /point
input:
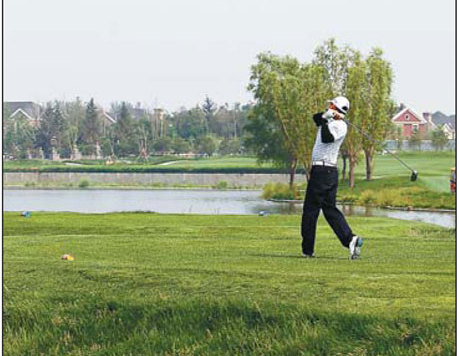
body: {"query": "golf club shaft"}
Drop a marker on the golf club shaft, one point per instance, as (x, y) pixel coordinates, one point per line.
(371, 139)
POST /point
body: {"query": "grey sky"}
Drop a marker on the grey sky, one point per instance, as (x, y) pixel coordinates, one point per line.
(177, 51)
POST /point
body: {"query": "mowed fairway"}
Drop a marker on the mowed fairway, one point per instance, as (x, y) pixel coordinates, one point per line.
(149, 284)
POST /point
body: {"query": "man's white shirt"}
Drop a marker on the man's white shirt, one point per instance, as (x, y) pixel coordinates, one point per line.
(328, 152)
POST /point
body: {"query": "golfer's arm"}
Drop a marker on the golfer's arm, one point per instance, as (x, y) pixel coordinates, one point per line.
(318, 119)
(326, 135)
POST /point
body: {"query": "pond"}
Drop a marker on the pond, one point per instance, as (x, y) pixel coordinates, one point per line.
(184, 201)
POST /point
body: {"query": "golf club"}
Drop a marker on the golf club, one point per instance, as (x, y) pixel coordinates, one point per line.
(414, 174)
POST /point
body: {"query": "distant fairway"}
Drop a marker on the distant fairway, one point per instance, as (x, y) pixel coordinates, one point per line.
(433, 168)
(148, 284)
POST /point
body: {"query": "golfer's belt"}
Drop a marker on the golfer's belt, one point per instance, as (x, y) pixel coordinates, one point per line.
(323, 163)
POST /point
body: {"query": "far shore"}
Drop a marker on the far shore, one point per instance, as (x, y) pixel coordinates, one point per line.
(126, 187)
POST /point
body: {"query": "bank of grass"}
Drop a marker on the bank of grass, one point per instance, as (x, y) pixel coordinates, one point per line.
(222, 164)
(384, 192)
(396, 191)
(144, 284)
(391, 185)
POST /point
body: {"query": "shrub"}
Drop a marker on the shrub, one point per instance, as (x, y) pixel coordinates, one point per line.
(367, 197)
(348, 198)
(391, 197)
(269, 190)
(222, 185)
(279, 191)
(84, 183)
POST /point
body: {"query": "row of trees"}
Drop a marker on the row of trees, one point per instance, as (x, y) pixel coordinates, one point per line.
(64, 126)
(288, 93)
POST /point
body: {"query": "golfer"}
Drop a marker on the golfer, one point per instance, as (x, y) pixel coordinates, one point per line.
(322, 185)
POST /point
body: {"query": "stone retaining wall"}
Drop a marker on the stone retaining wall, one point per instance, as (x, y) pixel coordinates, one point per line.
(232, 179)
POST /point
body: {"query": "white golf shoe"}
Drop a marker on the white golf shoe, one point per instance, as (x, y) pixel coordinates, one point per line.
(355, 247)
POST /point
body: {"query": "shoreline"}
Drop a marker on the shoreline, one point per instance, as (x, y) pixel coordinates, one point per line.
(128, 187)
(399, 208)
(210, 188)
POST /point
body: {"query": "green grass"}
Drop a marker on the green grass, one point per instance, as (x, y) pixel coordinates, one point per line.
(391, 184)
(149, 284)
(155, 164)
(433, 168)
(396, 191)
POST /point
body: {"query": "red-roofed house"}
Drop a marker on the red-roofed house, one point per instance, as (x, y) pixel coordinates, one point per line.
(410, 122)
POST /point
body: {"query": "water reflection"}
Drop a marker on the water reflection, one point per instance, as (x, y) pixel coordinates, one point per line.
(184, 201)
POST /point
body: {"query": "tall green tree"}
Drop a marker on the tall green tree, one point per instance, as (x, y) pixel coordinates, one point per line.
(265, 138)
(357, 93)
(125, 139)
(415, 141)
(335, 60)
(52, 126)
(190, 124)
(208, 107)
(18, 136)
(379, 82)
(180, 145)
(439, 138)
(291, 93)
(206, 145)
(91, 125)
(60, 124)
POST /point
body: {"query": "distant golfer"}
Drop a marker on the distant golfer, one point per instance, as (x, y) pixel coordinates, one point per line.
(322, 185)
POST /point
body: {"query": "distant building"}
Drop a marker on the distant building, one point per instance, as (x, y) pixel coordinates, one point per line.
(27, 109)
(449, 131)
(446, 123)
(106, 120)
(429, 118)
(410, 122)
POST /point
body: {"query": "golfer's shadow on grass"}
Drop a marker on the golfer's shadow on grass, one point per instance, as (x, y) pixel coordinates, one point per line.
(299, 256)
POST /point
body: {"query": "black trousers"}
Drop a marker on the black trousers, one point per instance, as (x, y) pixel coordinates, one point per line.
(321, 194)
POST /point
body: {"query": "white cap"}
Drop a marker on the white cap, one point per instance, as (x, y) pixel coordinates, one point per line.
(341, 103)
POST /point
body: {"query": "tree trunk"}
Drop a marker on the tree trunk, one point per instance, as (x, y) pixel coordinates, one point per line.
(351, 173)
(369, 160)
(344, 168)
(292, 168)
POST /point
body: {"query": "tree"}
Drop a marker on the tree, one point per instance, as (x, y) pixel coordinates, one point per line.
(47, 130)
(18, 136)
(190, 124)
(291, 93)
(91, 125)
(415, 140)
(206, 145)
(125, 138)
(439, 138)
(399, 138)
(8, 142)
(208, 107)
(335, 61)
(265, 138)
(179, 145)
(229, 146)
(357, 94)
(144, 132)
(162, 144)
(379, 82)
(108, 142)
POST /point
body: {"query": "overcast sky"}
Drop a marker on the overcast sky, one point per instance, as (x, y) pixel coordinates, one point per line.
(175, 52)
